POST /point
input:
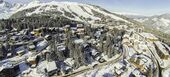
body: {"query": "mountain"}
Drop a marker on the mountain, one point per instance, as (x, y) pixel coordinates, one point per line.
(71, 10)
(120, 47)
(78, 12)
(131, 15)
(158, 22)
(4, 5)
(6, 9)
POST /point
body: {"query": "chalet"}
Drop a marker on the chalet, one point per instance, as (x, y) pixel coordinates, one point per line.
(62, 52)
(161, 50)
(67, 26)
(124, 26)
(9, 70)
(80, 30)
(42, 45)
(126, 36)
(51, 68)
(33, 60)
(48, 37)
(14, 38)
(3, 38)
(24, 32)
(3, 52)
(136, 44)
(140, 62)
(73, 27)
(21, 52)
(86, 45)
(31, 47)
(136, 73)
(36, 32)
(46, 54)
(136, 36)
(80, 25)
(35, 41)
(118, 68)
(131, 41)
(69, 61)
(126, 39)
(98, 34)
(140, 30)
(61, 30)
(86, 38)
(100, 59)
(2, 32)
(78, 41)
(9, 55)
(94, 53)
(64, 68)
(149, 37)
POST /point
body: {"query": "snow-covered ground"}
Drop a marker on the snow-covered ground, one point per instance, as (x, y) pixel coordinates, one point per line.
(140, 51)
(78, 10)
(7, 9)
(159, 22)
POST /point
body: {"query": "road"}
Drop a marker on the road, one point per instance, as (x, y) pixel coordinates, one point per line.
(154, 58)
(123, 55)
(99, 66)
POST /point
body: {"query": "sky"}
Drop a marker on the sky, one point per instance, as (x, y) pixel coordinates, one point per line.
(140, 7)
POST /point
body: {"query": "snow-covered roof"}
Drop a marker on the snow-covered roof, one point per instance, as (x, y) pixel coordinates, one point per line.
(32, 58)
(61, 48)
(126, 36)
(94, 52)
(6, 65)
(51, 66)
(148, 35)
(161, 47)
(42, 45)
(77, 41)
(69, 61)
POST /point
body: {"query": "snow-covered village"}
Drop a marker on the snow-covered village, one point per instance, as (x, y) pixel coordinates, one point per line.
(75, 39)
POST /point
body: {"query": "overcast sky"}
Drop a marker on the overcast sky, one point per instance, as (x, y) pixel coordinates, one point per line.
(143, 7)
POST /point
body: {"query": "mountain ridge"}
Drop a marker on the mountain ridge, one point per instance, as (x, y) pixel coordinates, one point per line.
(7, 9)
(83, 12)
(158, 22)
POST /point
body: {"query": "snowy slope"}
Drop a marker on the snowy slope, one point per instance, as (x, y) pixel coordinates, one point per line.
(6, 9)
(146, 53)
(159, 22)
(131, 15)
(71, 10)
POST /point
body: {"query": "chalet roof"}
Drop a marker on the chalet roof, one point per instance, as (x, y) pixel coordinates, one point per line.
(61, 48)
(38, 39)
(7, 64)
(77, 41)
(42, 45)
(148, 35)
(51, 66)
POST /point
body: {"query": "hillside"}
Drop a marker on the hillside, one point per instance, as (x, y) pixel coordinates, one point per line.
(71, 10)
(158, 22)
(157, 25)
(70, 39)
(7, 9)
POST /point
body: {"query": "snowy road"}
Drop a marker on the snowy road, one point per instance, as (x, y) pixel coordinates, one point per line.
(99, 66)
(157, 74)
